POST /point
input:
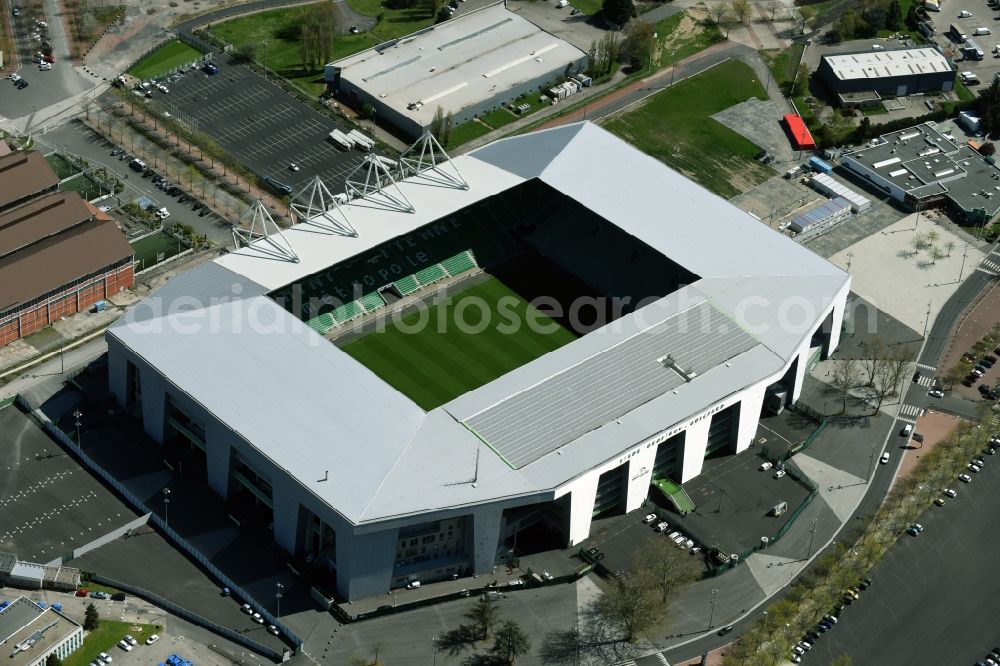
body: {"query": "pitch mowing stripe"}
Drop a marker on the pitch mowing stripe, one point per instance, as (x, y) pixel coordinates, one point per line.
(385, 360)
(428, 348)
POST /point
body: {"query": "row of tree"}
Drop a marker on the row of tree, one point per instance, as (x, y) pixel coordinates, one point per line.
(867, 18)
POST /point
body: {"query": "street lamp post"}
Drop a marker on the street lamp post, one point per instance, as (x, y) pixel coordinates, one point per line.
(166, 507)
(673, 66)
(812, 533)
(711, 616)
(871, 466)
(434, 641)
(76, 415)
(277, 596)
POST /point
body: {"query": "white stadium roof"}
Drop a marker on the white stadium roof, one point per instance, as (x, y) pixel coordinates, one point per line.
(881, 64)
(309, 407)
(457, 63)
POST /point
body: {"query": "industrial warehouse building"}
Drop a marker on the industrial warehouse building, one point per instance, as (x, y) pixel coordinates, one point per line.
(863, 78)
(263, 403)
(467, 66)
(58, 256)
(927, 165)
(24, 175)
(29, 633)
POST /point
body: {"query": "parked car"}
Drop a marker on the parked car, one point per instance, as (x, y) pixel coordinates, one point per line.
(949, 492)
(152, 639)
(661, 527)
(936, 393)
(939, 501)
(82, 592)
(98, 595)
(965, 477)
(765, 466)
(650, 518)
(246, 609)
(123, 644)
(779, 473)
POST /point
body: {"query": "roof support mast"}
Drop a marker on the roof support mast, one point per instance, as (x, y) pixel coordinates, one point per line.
(321, 209)
(373, 177)
(427, 158)
(263, 233)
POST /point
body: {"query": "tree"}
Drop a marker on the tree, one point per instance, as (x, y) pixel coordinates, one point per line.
(987, 149)
(618, 11)
(248, 50)
(846, 376)
(740, 9)
(510, 642)
(53, 660)
(664, 567)
(91, 618)
(484, 618)
(628, 607)
(637, 45)
(948, 247)
(604, 55)
(717, 11)
(936, 253)
(772, 8)
(874, 351)
(437, 125)
(893, 15)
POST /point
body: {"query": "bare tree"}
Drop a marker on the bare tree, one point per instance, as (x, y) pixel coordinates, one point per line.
(740, 9)
(936, 253)
(846, 376)
(874, 352)
(717, 11)
(948, 247)
(772, 8)
(664, 567)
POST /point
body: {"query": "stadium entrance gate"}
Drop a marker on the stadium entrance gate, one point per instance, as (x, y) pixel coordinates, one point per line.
(669, 461)
(723, 430)
(611, 489)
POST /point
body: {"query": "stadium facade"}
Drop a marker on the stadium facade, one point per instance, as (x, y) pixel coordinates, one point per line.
(353, 476)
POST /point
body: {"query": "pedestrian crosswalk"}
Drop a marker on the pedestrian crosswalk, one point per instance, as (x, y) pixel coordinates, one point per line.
(989, 267)
(910, 413)
(925, 380)
(926, 368)
(650, 660)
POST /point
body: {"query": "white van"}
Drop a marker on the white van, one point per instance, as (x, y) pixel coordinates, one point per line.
(981, 31)
(907, 429)
(413, 584)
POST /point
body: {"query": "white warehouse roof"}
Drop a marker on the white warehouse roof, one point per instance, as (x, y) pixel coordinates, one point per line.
(880, 64)
(457, 63)
(308, 406)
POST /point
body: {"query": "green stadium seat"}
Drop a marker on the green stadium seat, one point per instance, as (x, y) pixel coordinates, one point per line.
(347, 312)
(462, 262)
(431, 274)
(372, 301)
(407, 285)
(322, 323)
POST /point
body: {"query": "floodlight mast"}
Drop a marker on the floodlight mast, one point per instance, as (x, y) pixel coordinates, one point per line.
(321, 209)
(373, 177)
(263, 234)
(427, 158)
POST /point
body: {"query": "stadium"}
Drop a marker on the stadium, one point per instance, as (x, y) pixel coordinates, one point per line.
(474, 353)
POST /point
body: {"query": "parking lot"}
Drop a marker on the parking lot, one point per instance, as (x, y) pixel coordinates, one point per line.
(266, 128)
(982, 16)
(931, 586)
(49, 504)
(734, 497)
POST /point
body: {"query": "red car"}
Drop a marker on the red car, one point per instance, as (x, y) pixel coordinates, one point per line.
(82, 592)
(49, 58)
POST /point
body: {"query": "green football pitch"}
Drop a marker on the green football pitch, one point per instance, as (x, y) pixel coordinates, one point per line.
(453, 347)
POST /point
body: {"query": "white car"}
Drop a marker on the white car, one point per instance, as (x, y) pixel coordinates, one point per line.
(105, 658)
(965, 13)
(273, 630)
(673, 536)
(649, 519)
(246, 609)
(936, 393)
(965, 477)
(152, 639)
(123, 644)
(661, 527)
(765, 466)
(679, 539)
(779, 473)
(949, 492)
(15, 77)
(293, 166)
(162, 88)
(878, 47)
(44, 66)
(257, 618)
(163, 213)
(974, 467)
(885, 458)
(130, 640)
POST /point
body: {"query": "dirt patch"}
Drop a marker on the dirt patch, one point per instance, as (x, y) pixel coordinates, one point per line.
(686, 30)
(935, 427)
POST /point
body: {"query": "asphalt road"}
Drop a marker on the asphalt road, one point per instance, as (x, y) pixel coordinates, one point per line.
(44, 88)
(934, 600)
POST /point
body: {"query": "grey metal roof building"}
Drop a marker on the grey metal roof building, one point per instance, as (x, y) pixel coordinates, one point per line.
(30, 633)
(927, 164)
(893, 73)
(358, 474)
(466, 66)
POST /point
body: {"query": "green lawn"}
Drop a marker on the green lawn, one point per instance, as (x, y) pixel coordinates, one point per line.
(590, 7)
(162, 60)
(61, 166)
(783, 63)
(282, 54)
(675, 127)
(104, 638)
(450, 355)
(498, 118)
(467, 131)
(147, 249)
(83, 184)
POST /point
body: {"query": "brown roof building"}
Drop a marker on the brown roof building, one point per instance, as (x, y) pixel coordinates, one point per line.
(57, 257)
(24, 175)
